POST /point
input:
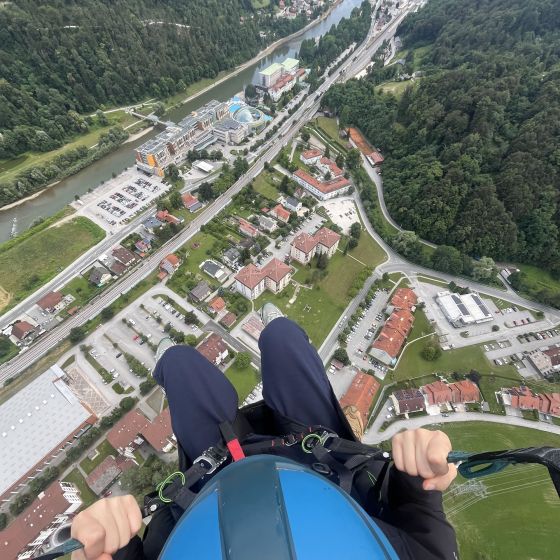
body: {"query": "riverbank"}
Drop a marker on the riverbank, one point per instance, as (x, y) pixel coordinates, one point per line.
(27, 198)
(265, 52)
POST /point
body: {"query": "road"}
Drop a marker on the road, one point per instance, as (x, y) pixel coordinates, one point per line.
(270, 150)
(373, 436)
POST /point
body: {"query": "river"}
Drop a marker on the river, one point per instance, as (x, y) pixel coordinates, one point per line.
(55, 198)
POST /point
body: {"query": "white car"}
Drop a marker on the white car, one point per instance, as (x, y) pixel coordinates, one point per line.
(132, 322)
(389, 416)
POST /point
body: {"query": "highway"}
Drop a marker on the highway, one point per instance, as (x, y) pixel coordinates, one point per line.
(356, 62)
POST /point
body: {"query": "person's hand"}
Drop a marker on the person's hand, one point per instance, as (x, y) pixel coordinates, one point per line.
(106, 526)
(424, 453)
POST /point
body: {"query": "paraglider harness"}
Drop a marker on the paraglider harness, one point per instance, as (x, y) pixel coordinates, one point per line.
(359, 469)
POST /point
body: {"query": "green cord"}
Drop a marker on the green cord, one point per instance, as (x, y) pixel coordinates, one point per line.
(161, 486)
(320, 439)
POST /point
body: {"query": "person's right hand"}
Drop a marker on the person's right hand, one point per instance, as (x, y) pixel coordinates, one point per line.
(106, 526)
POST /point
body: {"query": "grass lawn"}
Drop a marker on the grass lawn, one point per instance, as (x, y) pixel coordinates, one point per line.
(243, 379)
(193, 89)
(540, 277)
(105, 449)
(395, 88)
(82, 290)
(76, 478)
(329, 126)
(265, 185)
(196, 249)
(257, 4)
(513, 521)
(9, 352)
(26, 266)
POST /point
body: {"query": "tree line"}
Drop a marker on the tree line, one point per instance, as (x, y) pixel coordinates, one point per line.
(472, 149)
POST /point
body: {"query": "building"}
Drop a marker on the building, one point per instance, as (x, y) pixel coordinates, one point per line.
(23, 330)
(214, 270)
(214, 349)
(170, 264)
(305, 247)
(124, 256)
(524, 398)
(251, 281)
(230, 131)
(311, 157)
(408, 400)
(133, 429)
(253, 326)
(387, 346)
(203, 166)
(200, 292)
(357, 400)
(228, 320)
(292, 204)
(280, 213)
(99, 276)
(29, 534)
(51, 302)
(151, 224)
(103, 475)
(38, 422)
(460, 392)
(400, 320)
(463, 310)
(546, 360)
(231, 257)
(267, 224)
(190, 202)
(404, 298)
(165, 216)
(326, 165)
(279, 78)
(216, 305)
(323, 190)
(247, 229)
(372, 155)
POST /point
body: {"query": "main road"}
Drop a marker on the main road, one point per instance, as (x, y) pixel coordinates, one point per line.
(358, 60)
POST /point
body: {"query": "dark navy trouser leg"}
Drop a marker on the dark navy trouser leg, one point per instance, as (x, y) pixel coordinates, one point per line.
(295, 383)
(200, 397)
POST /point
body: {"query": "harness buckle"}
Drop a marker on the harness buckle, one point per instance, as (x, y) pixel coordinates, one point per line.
(213, 457)
(290, 440)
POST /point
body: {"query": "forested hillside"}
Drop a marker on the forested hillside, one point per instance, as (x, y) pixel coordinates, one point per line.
(473, 148)
(63, 58)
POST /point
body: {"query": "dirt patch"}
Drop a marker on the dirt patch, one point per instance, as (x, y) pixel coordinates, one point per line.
(5, 298)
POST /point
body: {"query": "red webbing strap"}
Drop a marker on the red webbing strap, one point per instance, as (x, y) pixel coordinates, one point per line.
(232, 442)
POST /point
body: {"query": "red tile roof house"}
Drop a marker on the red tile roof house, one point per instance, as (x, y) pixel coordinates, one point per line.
(464, 391)
(387, 345)
(523, 398)
(281, 213)
(404, 298)
(357, 400)
(49, 301)
(251, 281)
(326, 165)
(305, 247)
(159, 433)
(103, 475)
(189, 200)
(214, 349)
(124, 256)
(247, 228)
(400, 320)
(216, 305)
(165, 216)
(22, 330)
(28, 534)
(228, 319)
(437, 393)
(323, 190)
(311, 157)
(169, 264)
(408, 400)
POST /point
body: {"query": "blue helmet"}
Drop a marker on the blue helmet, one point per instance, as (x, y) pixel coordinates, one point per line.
(265, 507)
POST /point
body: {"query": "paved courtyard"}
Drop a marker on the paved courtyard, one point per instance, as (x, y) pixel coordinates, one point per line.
(342, 211)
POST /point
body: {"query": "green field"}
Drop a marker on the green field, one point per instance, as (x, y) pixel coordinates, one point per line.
(257, 4)
(82, 290)
(395, 88)
(540, 277)
(27, 265)
(318, 309)
(329, 126)
(243, 379)
(105, 449)
(74, 476)
(265, 185)
(7, 350)
(518, 520)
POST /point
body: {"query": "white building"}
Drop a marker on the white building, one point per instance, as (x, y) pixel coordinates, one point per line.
(305, 247)
(323, 190)
(462, 310)
(251, 281)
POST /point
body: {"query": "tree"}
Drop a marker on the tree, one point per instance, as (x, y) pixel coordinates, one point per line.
(484, 269)
(341, 355)
(205, 192)
(172, 172)
(107, 313)
(3, 521)
(20, 502)
(77, 334)
(191, 340)
(305, 136)
(250, 92)
(175, 200)
(243, 360)
(191, 318)
(447, 259)
(322, 261)
(127, 404)
(339, 160)
(353, 159)
(159, 109)
(431, 352)
(356, 230)
(101, 118)
(352, 243)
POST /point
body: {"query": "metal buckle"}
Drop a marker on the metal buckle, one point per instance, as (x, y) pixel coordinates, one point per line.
(325, 436)
(290, 440)
(213, 457)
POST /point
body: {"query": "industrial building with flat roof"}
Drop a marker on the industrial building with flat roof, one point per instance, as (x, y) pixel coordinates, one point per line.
(35, 424)
(464, 309)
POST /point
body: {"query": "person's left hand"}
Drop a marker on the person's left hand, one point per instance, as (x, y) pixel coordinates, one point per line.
(424, 453)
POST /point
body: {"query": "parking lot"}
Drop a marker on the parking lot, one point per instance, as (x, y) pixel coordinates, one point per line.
(368, 326)
(112, 204)
(342, 211)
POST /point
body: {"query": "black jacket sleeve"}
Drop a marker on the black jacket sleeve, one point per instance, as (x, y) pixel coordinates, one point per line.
(414, 521)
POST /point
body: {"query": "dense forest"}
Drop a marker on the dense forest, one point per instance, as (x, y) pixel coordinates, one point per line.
(62, 59)
(472, 148)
